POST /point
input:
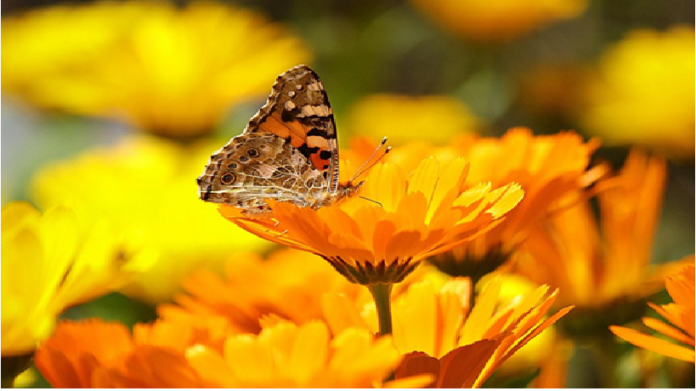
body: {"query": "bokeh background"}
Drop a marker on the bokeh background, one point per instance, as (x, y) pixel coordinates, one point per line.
(116, 106)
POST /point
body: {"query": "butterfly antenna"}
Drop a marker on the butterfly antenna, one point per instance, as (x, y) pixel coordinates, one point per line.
(371, 200)
(367, 165)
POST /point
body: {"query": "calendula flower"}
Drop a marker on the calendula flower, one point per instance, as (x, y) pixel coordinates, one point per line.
(287, 355)
(604, 266)
(680, 314)
(379, 242)
(497, 20)
(409, 116)
(644, 93)
(93, 353)
(143, 185)
(166, 69)
(439, 334)
(49, 263)
(410, 217)
(548, 168)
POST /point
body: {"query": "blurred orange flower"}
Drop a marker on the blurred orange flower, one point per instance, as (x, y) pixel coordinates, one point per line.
(289, 285)
(411, 217)
(94, 353)
(606, 275)
(162, 68)
(548, 168)
(644, 93)
(680, 314)
(497, 20)
(438, 334)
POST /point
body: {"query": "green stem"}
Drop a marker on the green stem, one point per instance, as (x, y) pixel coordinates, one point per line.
(382, 294)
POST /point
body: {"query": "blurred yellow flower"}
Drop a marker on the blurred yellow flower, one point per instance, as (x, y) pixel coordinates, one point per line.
(547, 167)
(644, 94)
(94, 353)
(409, 118)
(143, 185)
(497, 20)
(603, 266)
(49, 263)
(680, 314)
(411, 216)
(162, 68)
(438, 334)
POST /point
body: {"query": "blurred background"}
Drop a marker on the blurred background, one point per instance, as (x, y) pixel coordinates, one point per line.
(115, 106)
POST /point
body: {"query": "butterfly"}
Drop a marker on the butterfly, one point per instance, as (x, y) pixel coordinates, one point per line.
(288, 152)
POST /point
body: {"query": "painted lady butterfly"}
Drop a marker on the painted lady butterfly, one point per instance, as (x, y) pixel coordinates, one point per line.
(287, 152)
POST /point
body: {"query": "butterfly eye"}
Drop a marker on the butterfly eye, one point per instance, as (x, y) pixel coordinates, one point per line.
(252, 152)
(232, 166)
(228, 179)
(243, 159)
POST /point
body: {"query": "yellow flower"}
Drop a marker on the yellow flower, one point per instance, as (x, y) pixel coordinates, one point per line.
(286, 355)
(497, 20)
(50, 263)
(159, 67)
(410, 217)
(603, 267)
(434, 328)
(680, 314)
(548, 168)
(409, 118)
(644, 94)
(143, 185)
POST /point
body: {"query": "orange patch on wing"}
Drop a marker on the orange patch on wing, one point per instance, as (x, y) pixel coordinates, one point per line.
(318, 162)
(295, 130)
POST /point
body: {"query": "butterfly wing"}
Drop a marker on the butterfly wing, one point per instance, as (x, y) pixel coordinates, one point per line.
(299, 112)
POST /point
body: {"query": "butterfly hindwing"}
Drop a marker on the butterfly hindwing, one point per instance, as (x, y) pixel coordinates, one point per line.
(254, 167)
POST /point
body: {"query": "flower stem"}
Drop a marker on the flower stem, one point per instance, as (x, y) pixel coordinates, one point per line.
(382, 294)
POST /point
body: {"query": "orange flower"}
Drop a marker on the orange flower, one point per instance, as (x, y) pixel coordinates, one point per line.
(680, 314)
(546, 167)
(94, 353)
(596, 270)
(406, 219)
(438, 334)
(289, 284)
